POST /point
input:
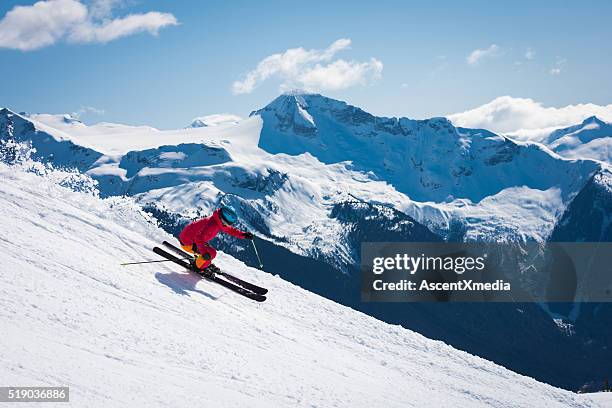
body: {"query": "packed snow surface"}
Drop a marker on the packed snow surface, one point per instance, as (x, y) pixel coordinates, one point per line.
(155, 335)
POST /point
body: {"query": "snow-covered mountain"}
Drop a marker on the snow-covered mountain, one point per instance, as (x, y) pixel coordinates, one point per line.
(581, 131)
(498, 189)
(484, 180)
(526, 119)
(592, 139)
(154, 335)
(588, 218)
(428, 160)
(314, 176)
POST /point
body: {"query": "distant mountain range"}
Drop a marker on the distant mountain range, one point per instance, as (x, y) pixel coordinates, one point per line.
(314, 177)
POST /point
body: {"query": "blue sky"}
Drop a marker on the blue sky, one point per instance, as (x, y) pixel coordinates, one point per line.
(188, 69)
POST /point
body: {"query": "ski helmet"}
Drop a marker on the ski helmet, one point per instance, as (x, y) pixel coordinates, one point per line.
(228, 214)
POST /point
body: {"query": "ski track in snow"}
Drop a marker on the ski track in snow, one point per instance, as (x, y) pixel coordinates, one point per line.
(154, 335)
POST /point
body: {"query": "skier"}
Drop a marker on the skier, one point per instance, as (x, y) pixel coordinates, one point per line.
(195, 236)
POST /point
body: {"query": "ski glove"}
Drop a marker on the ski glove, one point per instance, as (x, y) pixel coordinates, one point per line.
(248, 235)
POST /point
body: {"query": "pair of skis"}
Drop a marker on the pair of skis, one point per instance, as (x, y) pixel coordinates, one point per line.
(224, 279)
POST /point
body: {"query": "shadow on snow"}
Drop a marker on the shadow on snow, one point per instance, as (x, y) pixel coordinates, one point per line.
(182, 283)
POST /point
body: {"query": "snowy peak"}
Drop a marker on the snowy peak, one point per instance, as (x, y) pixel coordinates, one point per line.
(49, 144)
(5, 113)
(309, 115)
(430, 160)
(306, 114)
(593, 119)
(197, 123)
(215, 120)
(12, 125)
(291, 114)
(591, 128)
(590, 139)
(300, 112)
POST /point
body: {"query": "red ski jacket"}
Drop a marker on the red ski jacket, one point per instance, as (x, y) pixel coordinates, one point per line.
(201, 231)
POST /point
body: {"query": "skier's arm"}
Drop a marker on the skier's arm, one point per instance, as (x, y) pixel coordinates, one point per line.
(235, 232)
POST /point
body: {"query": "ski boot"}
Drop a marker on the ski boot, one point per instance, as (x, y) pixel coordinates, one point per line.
(209, 272)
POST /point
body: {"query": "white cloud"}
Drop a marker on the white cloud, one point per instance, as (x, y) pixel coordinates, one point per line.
(30, 27)
(150, 22)
(215, 120)
(46, 22)
(83, 110)
(340, 74)
(103, 8)
(529, 54)
(558, 68)
(480, 54)
(311, 70)
(526, 118)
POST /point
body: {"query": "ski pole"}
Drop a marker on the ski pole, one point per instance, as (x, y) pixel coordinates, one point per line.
(257, 254)
(148, 262)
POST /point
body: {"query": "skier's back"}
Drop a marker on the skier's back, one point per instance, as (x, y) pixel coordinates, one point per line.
(195, 236)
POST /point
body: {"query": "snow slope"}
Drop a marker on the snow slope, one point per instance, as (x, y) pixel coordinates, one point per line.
(477, 186)
(156, 336)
